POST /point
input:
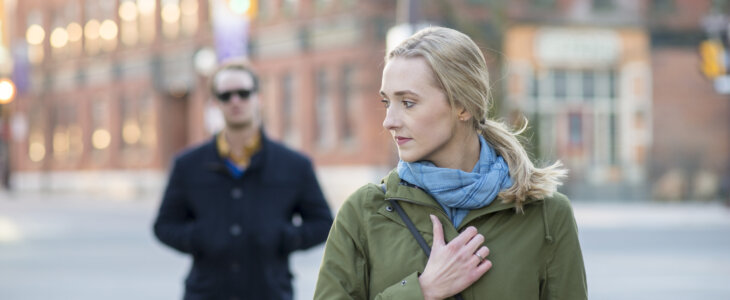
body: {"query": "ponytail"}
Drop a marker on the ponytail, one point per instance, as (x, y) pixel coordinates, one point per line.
(528, 181)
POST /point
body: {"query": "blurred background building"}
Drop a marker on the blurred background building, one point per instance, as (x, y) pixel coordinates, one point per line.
(108, 91)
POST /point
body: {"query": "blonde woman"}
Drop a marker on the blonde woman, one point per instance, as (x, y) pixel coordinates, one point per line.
(493, 225)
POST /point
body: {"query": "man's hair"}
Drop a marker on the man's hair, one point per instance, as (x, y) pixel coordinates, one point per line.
(233, 65)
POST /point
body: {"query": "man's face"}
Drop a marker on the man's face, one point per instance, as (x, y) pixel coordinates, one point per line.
(236, 99)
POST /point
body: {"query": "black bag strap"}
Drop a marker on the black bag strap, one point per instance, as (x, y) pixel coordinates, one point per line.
(412, 228)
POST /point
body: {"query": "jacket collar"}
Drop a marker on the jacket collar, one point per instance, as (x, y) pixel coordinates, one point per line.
(213, 160)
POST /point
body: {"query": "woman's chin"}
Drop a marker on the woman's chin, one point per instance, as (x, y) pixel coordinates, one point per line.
(408, 158)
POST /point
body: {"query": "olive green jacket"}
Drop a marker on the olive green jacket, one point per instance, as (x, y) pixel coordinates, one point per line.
(370, 254)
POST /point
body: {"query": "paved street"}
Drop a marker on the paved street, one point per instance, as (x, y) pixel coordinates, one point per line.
(94, 247)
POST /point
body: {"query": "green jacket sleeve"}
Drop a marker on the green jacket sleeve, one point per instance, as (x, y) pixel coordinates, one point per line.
(343, 273)
(566, 277)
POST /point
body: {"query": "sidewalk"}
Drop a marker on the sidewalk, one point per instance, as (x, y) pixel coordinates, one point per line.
(90, 247)
(650, 214)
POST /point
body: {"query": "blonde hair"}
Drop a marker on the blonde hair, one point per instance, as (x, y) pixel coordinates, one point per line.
(461, 72)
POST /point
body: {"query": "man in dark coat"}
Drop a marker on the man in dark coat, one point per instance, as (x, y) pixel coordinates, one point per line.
(230, 203)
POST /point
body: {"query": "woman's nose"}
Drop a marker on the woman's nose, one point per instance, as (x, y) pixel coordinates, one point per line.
(392, 119)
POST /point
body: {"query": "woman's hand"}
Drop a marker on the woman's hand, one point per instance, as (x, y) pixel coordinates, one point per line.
(453, 267)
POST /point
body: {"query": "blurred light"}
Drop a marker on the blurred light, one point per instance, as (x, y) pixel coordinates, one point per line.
(35, 34)
(101, 139)
(170, 13)
(91, 30)
(75, 32)
(108, 30)
(204, 61)
(240, 7)
(36, 151)
(59, 37)
(8, 231)
(713, 58)
(131, 132)
(7, 91)
(60, 141)
(128, 11)
(189, 7)
(146, 7)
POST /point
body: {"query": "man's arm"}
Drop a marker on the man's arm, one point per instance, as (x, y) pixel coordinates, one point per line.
(174, 225)
(315, 213)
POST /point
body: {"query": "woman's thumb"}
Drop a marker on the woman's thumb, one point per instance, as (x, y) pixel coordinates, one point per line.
(438, 232)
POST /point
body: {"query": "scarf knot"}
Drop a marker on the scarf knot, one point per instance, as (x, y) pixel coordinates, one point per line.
(457, 191)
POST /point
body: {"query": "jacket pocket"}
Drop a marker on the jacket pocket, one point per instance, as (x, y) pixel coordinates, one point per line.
(199, 285)
(279, 280)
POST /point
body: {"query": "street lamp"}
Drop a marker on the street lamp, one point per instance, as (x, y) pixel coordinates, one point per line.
(7, 91)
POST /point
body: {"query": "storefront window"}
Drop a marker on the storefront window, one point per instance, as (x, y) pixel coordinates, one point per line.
(67, 139)
(138, 130)
(36, 138)
(347, 114)
(189, 16)
(170, 14)
(324, 115)
(147, 18)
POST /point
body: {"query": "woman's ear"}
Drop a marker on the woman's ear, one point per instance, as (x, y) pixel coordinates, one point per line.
(463, 114)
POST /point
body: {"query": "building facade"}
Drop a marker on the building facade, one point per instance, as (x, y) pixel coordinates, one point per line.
(587, 92)
(109, 91)
(613, 89)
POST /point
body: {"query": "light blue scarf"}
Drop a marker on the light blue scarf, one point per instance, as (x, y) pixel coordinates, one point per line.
(457, 191)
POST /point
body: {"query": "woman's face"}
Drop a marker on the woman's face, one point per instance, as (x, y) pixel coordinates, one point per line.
(418, 116)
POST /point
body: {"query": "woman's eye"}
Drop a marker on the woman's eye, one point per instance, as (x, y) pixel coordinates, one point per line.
(386, 103)
(408, 104)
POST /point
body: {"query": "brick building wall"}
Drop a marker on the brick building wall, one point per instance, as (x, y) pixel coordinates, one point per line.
(691, 128)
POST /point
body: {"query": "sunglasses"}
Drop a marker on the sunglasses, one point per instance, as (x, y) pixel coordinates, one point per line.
(226, 96)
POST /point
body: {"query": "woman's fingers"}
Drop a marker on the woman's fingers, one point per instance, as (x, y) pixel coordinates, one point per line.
(481, 254)
(475, 242)
(438, 232)
(482, 268)
(465, 236)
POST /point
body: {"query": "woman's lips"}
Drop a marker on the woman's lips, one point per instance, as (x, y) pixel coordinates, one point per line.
(401, 140)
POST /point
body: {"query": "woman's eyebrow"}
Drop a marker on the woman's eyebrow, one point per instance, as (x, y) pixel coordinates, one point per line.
(400, 93)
